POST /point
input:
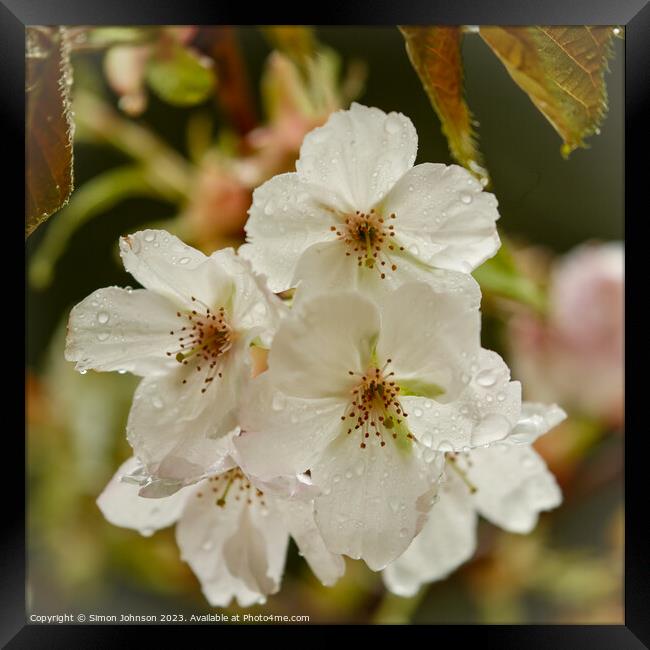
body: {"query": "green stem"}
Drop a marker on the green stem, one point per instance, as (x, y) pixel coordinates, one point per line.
(94, 197)
(98, 121)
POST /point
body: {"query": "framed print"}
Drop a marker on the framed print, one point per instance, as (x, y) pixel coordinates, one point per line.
(326, 320)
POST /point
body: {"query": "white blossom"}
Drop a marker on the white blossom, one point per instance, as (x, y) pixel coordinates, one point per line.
(188, 334)
(357, 211)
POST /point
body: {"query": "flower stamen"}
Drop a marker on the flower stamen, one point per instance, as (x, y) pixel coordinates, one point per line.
(368, 238)
(203, 340)
(223, 483)
(375, 408)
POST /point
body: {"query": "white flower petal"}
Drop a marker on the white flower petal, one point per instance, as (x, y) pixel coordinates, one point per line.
(359, 154)
(425, 329)
(447, 540)
(328, 337)
(374, 501)
(485, 411)
(283, 435)
(235, 550)
(327, 566)
(120, 329)
(253, 305)
(535, 420)
(513, 486)
(287, 216)
(174, 428)
(325, 267)
(121, 505)
(443, 217)
(164, 264)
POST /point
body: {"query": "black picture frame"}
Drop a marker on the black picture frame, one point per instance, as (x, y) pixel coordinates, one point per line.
(633, 14)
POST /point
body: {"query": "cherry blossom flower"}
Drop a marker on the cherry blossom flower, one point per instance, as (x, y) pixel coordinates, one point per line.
(368, 395)
(576, 355)
(188, 334)
(232, 531)
(357, 211)
(506, 482)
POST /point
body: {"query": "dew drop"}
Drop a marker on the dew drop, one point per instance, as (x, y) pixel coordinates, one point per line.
(466, 198)
(149, 236)
(184, 260)
(278, 402)
(102, 336)
(102, 317)
(392, 124)
(157, 402)
(493, 427)
(445, 446)
(486, 378)
(428, 455)
(417, 412)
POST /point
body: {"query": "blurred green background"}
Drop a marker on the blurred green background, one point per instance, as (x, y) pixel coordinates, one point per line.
(569, 570)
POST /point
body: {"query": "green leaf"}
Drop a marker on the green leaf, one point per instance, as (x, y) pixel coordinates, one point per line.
(435, 54)
(178, 76)
(501, 277)
(49, 129)
(562, 70)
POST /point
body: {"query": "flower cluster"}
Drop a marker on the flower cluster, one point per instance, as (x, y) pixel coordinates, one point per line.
(381, 427)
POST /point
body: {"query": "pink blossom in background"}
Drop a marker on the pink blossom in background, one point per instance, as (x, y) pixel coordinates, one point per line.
(575, 357)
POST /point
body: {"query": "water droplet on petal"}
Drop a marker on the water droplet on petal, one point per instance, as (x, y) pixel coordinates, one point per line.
(102, 336)
(445, 446)
(491, 428)
(486, 378)
(278, 402)
(465, 198)
(102, 317)
(149, 236)
(392, 124)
